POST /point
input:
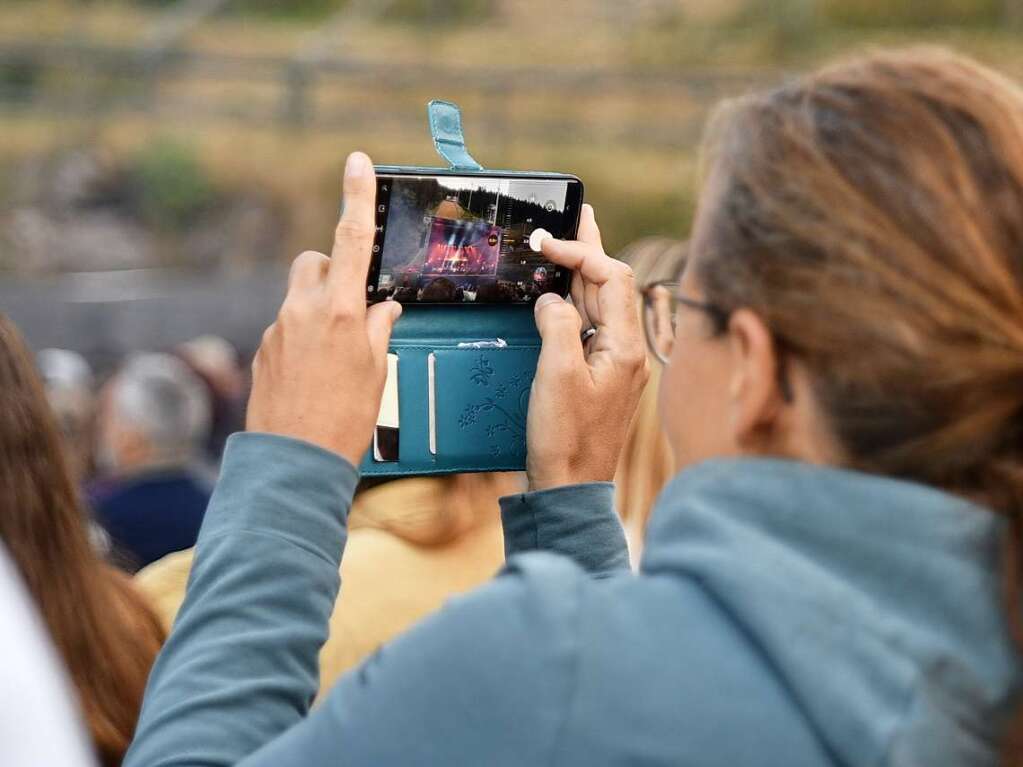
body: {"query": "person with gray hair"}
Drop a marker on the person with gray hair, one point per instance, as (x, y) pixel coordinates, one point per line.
(154, 417)
(68, 380)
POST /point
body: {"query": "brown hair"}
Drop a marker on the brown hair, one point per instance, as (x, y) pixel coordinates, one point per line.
(883, 197)
(104, 631)
(645, 463)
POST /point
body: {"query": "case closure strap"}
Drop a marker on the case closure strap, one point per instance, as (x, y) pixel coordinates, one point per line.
(446, 129)
(494, 343)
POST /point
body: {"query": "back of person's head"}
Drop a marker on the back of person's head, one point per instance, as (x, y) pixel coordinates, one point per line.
(645, 463)
(872, 216)
(68, 381)
(216, 363)
(64, 369)
(216, 359)
(885, 197)
(487, 291)
(105, 633)
(440, 290)
(156, 411)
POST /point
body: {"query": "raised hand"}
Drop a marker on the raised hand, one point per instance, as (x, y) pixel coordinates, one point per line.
(583, 399)
(319, 372)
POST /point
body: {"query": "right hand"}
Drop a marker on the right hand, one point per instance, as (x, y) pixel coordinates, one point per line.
(583, 399)
(319, 374)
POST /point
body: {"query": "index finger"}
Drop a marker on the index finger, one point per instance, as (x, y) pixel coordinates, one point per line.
(353, 238)
(614, 309)
(585, 254)
(589, 260)
(588, 229)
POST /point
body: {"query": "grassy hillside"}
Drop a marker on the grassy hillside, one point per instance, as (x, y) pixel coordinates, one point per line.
(638, 187)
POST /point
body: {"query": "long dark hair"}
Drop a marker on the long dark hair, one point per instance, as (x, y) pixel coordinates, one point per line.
(105, 632)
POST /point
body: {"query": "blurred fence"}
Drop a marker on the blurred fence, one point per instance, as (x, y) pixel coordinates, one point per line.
(105, 315)
(336, 94)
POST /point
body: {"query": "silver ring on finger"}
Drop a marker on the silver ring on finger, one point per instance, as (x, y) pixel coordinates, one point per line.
(587, 334)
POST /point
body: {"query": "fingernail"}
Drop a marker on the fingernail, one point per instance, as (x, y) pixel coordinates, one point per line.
(397, 310)
(537, 238)
(546, 298)
(357, 165)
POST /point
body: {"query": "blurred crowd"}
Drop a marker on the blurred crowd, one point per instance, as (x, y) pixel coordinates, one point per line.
(144, 443)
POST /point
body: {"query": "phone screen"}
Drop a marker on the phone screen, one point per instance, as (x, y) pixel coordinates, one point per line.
(470, 239)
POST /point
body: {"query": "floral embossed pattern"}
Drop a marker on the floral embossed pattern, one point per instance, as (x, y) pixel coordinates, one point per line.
(482, 371)
(501, 416)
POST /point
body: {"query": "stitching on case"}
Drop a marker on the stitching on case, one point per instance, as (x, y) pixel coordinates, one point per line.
(474, 468)
(441, 348)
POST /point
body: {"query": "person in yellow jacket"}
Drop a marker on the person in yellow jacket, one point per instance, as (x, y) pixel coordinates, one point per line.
(434, 537)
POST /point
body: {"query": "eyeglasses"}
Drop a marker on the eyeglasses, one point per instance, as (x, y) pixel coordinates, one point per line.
(661, 301)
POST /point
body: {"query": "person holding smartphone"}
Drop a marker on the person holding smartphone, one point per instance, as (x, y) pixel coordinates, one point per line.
(824, 582)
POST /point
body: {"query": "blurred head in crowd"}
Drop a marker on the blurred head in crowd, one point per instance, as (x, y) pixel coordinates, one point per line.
(154, 412)
(216, 362)
(105, 633)
(645, 463)
(440, 290)
(68, 380)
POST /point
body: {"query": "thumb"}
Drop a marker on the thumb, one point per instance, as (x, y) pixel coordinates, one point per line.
(559, 324)
(380, 319)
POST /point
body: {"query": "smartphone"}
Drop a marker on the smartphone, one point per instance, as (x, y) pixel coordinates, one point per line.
(446, 238)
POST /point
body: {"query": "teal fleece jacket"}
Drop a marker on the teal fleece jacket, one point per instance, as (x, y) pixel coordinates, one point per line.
(782, 614)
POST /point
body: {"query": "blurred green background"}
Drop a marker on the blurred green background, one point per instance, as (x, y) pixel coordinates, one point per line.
(209, 135)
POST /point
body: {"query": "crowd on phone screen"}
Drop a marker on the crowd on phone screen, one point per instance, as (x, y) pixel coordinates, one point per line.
(447, 290)
(105, 478)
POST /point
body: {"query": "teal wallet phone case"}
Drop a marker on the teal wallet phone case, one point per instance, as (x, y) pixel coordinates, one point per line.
(478, 362)
(464, 371)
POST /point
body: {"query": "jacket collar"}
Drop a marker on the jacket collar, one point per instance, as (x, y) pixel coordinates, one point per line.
(877, 601)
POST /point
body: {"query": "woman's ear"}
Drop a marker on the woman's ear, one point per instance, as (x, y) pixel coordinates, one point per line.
(755, 398)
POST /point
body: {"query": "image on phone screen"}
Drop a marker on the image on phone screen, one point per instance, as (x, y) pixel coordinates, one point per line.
(466, 239)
